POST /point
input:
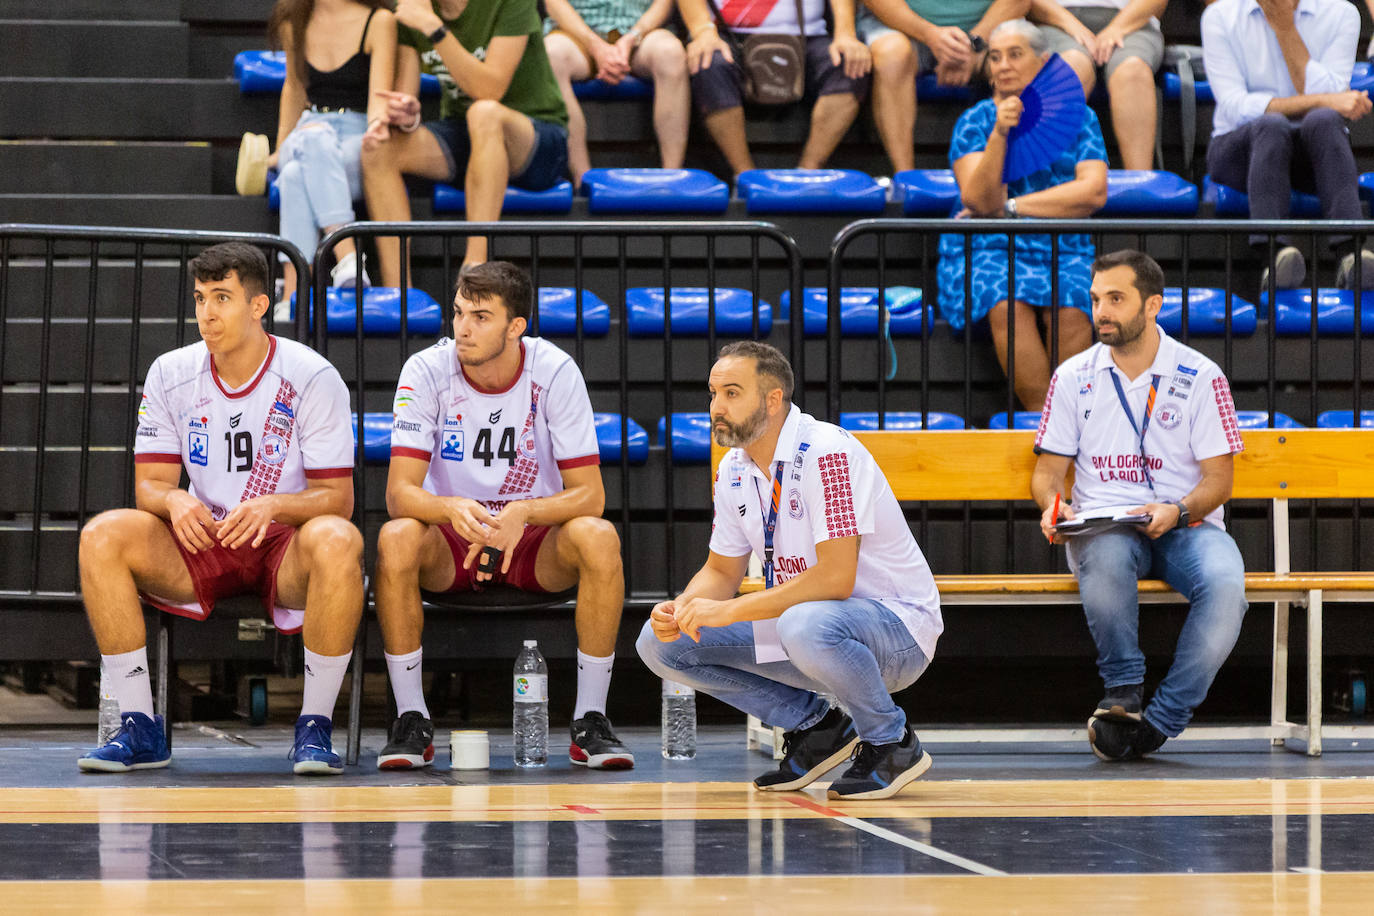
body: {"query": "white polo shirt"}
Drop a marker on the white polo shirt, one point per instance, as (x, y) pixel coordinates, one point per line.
(1193, 419)
(831, 488)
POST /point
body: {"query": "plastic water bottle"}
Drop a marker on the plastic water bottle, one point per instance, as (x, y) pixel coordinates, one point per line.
(679, 721)
(530, 720)
(107, 717)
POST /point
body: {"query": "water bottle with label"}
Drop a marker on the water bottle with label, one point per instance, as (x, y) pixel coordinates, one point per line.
(530, 720)
(679, 721)
(107, 716)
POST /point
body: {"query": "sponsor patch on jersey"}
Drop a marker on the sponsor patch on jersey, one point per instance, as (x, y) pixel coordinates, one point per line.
(198, 423)
(453, 422)
(273, 449)
(406, 426)
(1186, 370)
(1170, 415)
(279, 407)
(794, 504)
(1085, 388)
(453, 445)
(198, 448)
(148, 431)
(1180, 393)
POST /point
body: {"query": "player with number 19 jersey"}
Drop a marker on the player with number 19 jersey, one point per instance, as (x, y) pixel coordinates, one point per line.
(267, 437)
(494, 446)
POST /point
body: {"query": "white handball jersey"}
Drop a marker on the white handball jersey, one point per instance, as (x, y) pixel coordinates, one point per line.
(1193, 419)
(769, 16)
(831, 488)
(288, 424)
(494, 446)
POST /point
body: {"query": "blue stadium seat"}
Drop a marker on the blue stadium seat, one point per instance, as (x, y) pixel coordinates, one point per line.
(558, 312)
(381, 311)
(1259, 419)
(859, 310)
(1344, 419)
(629, 88)
(1335, 311)
(734, 311)
(1148, 194)
(691, 436)
(654, 191)
(1206, 312)
(900, 419)
(608, 439)
(376, 436)
(926, 192)
(557, 199)
(1363, 76)
(810, 191)
(260, 72)
(1022, 419)
(1202, 88)
(1367, 188)
(1230, 202)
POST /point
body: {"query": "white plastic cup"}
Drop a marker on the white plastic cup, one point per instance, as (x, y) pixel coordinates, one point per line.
(469, 749)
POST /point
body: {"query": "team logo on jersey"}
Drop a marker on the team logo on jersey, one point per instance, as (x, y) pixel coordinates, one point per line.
(273, 449)
(741, 511)
(494, 418)
(527, 447)
(453, 445)
(794, 504)
(198, 448)
(1170, 415)
(234, 420)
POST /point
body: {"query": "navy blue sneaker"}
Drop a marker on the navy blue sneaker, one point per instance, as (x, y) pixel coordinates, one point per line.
(1112, 739)
(313, 753)
(140, 744)
(882, 770)
(811, 753)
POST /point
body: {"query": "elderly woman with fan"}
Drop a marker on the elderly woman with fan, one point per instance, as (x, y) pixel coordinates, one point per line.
(1033, 150)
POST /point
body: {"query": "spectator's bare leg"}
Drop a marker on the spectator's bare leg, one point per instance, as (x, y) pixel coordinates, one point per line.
(1075, 331)
(586, 552)
(726, 127)
(123, 552)
(1083, 67)
(1132, 90)
(322, 572)
(502, 141)
(894, 98)
(569, 63)
(384, 186)
(410, 555)
(662, 58)
(1032, 380)
(830, 118)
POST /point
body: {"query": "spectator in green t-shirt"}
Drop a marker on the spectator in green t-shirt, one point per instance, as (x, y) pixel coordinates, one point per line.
(610, 39)
(947, 37)
(502, 119)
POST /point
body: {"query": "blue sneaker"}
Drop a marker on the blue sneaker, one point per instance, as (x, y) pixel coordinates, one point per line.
(140, 744)
(313, 753)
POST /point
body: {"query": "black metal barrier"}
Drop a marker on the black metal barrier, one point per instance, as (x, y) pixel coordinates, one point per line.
(754, 256)
(83, 311)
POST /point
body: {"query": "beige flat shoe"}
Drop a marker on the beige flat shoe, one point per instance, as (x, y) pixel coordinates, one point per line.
(251, 176)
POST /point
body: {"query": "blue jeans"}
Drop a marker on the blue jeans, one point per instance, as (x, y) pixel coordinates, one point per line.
(856, 650)
(1204, 566)
(320, 174)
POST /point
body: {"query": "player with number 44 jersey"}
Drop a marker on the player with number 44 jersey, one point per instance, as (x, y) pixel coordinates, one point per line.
(495, 479)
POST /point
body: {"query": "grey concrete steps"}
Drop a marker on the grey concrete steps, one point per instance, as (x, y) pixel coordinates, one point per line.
(93, 48)
(103, 167)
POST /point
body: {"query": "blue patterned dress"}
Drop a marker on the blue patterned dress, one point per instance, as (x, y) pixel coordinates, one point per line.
(989, 254)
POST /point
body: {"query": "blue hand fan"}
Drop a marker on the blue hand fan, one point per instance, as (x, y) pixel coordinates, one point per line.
(1052, 115)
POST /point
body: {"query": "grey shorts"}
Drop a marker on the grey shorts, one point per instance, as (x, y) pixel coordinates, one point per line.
(869, 28)
(1145, 43)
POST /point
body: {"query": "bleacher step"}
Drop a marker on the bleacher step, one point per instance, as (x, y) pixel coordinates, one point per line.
(101, 47)
(102, 167)
(53, 10)
(210, 212)
(165, 109)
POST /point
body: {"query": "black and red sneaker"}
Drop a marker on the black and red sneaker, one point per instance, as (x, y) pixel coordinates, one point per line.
(411, 743)
(595, 746)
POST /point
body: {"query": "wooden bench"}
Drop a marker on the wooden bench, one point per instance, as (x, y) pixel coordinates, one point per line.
(1277, 465)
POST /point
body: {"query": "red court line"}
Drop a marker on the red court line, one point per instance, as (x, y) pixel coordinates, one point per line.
(809, 805)
(581, 809)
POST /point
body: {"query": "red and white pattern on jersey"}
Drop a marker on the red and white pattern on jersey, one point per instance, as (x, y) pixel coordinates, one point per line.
(521, 477)
(1226, 408)
(1045, 411)
(746, 14)
(265, 476)
(839, 496)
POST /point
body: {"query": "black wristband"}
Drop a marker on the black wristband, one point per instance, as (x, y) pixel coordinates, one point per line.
(1183, 515)
(438, 34)
(490, 561)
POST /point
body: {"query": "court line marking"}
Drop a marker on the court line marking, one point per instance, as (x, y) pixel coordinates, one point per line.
(1306, 870)
(883, 833)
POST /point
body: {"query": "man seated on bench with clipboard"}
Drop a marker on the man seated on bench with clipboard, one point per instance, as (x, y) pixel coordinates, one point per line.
(1149, 428)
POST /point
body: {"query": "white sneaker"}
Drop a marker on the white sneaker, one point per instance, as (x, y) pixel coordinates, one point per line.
(345, 273)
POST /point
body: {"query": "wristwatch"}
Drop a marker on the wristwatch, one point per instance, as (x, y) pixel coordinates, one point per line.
(979, 45)
(1009, 208)
(438, 34)
(1183, 515)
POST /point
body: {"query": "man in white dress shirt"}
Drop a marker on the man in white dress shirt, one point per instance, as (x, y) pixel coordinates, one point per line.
(1280, 71)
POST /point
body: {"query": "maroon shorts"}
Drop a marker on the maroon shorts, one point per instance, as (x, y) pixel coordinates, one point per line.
(522, 559)
(221, 573)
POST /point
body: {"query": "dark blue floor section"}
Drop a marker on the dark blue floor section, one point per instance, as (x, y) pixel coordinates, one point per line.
(631, 848)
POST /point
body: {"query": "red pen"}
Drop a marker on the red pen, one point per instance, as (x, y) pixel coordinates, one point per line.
(1050, 537)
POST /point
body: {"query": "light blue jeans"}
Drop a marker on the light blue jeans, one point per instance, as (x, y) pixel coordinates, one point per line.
(1204, 566)
(320, 174)
(855, 650)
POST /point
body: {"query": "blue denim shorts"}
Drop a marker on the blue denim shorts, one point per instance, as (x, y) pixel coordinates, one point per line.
(547, 165)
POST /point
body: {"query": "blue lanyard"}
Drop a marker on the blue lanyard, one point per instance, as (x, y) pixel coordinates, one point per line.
(1144, 421)
(770, 524)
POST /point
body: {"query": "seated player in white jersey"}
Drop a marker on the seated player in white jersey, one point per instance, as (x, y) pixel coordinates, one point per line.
(495, 478)
(262, 429)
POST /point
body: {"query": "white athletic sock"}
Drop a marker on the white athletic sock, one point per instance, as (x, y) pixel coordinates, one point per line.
(128, 677)
(407, 681)
(593, 683)
(324, 676)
